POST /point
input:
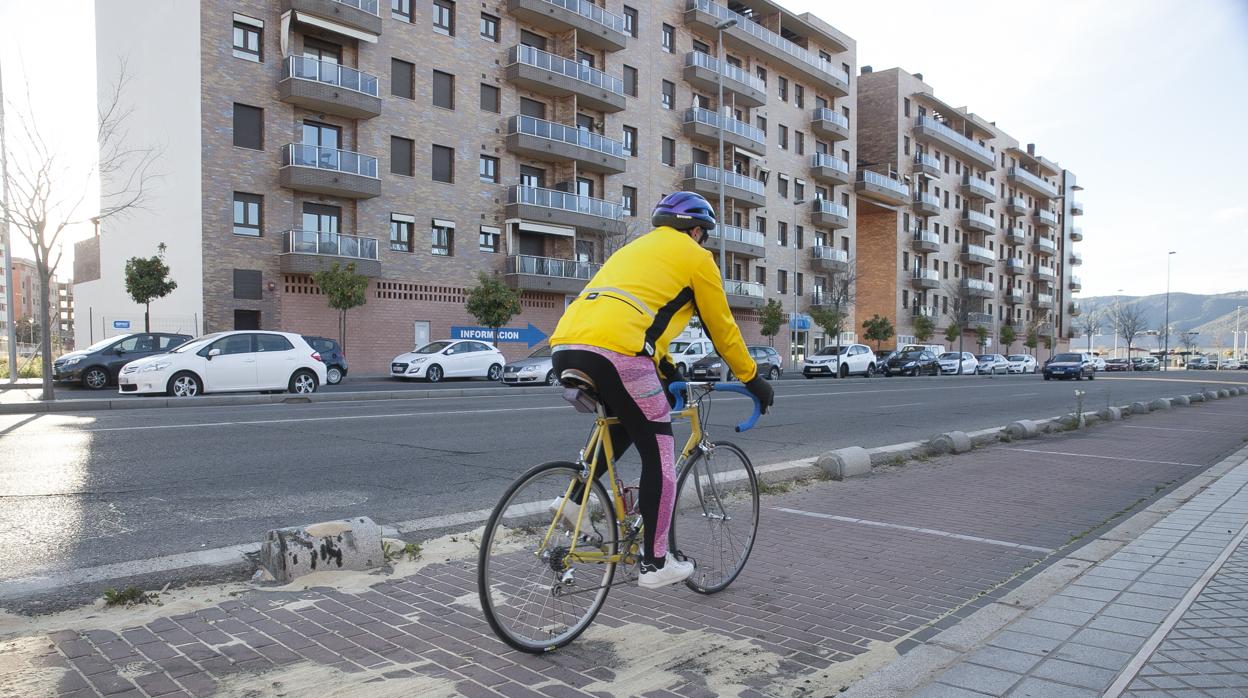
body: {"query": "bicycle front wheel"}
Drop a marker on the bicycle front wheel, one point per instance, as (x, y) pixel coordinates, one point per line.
(716, 515)
(536, 592)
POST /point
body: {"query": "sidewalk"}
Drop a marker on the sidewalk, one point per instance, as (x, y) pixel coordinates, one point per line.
(845, 577)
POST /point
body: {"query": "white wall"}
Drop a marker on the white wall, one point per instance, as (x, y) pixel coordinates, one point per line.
(160, 42)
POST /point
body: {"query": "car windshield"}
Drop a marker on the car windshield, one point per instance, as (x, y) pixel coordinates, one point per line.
(1018, 357)
(951, 355)
(540, 353)
(986, 357)
(830, 351)
(432, 348)
(196, 344)
(678, 347)
(713, 356)
(910, 355)
(1068, 358)
(105, 342)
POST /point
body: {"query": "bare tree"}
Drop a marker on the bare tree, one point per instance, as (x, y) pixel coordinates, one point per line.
(47, 195)
(1092, 325)
(839, 295)
(1129, 322)
(618, 234)
(959, 311)
(1188, 341)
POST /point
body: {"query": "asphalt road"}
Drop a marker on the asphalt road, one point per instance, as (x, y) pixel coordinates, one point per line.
(89, 489)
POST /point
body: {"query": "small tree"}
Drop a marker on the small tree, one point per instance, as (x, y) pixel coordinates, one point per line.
(959, 311)
(1189, 343)
(492, 303)
(1128, 321)
(831, 320)
(981, 337)
(924, 328)
(147, 279)
(839, 296)
(953, 332)
(1032, 341)
(344, 290)
(771, 318)
(1093, 323)
(878, 329)
(27, 330)
(1007, 337)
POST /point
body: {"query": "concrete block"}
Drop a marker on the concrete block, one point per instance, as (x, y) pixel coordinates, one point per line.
(952, 442)
(1197, 397)
(845, 462)
(1023, 429)
(1140, 408)
(1110, 414)
(1180, 401)
(985, 437)
(347, 544)
(1243, 390)
(1160, 403)
(1210, 395)
(1090, 418)
(1225, 393)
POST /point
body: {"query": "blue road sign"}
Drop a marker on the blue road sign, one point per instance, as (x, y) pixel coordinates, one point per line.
(121, 324)
(799, 322)
(529, 335)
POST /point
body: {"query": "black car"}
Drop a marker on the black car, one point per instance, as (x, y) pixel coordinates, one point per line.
(1117, 365)
(332, 355)
(912, 363)
(1071, 365)
(97, 366)
(711, 366)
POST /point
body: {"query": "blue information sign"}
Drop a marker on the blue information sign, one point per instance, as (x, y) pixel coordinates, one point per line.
(528, 335)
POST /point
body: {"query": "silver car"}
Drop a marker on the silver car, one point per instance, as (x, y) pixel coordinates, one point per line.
(534, 369)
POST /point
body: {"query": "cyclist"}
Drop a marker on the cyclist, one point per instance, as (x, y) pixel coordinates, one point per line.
(617, 331)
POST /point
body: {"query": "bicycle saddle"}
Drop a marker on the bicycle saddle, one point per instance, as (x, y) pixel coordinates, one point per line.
(574, 378)
(579, 390)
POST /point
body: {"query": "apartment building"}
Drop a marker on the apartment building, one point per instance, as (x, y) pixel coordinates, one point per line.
(426, 142)
(958, 222)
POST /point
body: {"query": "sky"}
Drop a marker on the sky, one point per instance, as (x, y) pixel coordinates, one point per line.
(1144, 100)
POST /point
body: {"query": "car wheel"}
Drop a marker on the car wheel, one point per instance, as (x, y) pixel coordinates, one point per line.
(681, 371)
(433, 374)
(1092, 377)
(495, 373)
(1047, 377)
(773, 374)
(552, 378)
(184, 384)
(95, 378)
(303, 382)
(844, 372)
(333, 375)
(807, 377)
(913, 372)
(870, 370)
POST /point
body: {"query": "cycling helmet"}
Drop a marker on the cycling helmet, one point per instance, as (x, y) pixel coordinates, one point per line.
(684, 210)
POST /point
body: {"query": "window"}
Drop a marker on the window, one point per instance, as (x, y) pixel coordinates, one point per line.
(532, 176)
(489, 27)
(782, 281)
(488, 169)
(630, 81)
(784, 137)
(669, 95)
(443, 164)
(247, 212)
(701, 47)
(248, 38)
(401, 232)
(669, 38)
(443, 238)
(629, 201)
(444, 17)
(799, 189)
(669, 152)
(443, 90)
(799, 96)
(487, 240)
(782, 186)
(489, 98)
(402, 79)
(799, 236)
(905, 107)
(782, 234)
(243, 320)
(798, 286)
(630, 140)
(761, 123)
(783, 90)
(630, 21)
(272, 342)
(401, 10)
(528, 38)
(799, 142)
(247, 284)
(760, 275)
(760, 224)
(402, 155)
(761, 72)
(533, 108)
(248, 127)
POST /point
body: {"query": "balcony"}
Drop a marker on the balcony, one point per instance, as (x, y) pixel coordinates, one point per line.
(1015, 295)
(594, 26)
(1016, 236)
(703, 125)
(1076, 259)
(1075, 310)
(546, 140)
(343, 17)
(931, 130)
(881, 188)
(324, 86)
(979, 319)
(1076, 284)
(829, 214)
(925, 278)
(820, 298)
(930, 312)
(753, 38)
(977, 188)
(829, 169)
(743, 294)
(747, 243)
(975, 254)
(1076, 234)
(562, 208)
(927, 164)
(1046, 218)
(925, 241)
(1031, 182)
(829, 124)
(1016, 206)
(310, 251)
(701, 71)
(925, 204)
(827, 258)
(978, 288)
(1076, 208)
(1044, 274)
(1045, 247)
(975, 220)
(329, 171)
(552, 75)
(526, 273)
(743, 190)
(1014, 265)
(1044, 301)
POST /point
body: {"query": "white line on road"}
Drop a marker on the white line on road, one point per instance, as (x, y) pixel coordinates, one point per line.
(916, 529)
(1088, 455)
(1198, 431)
(904, 404)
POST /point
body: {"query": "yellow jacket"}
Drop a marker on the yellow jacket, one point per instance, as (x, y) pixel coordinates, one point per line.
(644, 296)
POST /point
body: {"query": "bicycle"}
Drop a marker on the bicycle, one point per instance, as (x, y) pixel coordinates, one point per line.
(536, 573)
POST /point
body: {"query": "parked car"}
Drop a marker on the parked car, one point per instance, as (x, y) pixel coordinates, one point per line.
(1228, 364)
(238, 361)
(332, 355)
(936, 349)
(1022, 363)
(1145, 363)
(1070, 365)
(686, 352)
(1199, 363)
(1117, 365)
(449, 358)
(840, 362)
(882, 356)
(535, 368)
(992, 364)
(950, 360)
(1100, 363)
(912, 363)
(711, 367)
(98, 366)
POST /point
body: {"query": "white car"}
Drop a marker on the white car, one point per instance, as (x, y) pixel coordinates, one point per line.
(949, 362)
(686, 352)
(228, 362)
(1022, 363)
(450, 358)
(992, 363)
(1100, 363)
(853, 359)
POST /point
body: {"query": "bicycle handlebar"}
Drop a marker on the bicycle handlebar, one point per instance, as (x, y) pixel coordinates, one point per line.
(677, 388)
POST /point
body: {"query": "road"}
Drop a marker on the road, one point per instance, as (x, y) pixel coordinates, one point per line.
(89, 489)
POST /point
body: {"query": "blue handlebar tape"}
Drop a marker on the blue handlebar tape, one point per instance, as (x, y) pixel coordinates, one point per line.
(678, 389)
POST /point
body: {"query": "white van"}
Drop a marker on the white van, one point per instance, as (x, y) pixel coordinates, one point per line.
(686, 352)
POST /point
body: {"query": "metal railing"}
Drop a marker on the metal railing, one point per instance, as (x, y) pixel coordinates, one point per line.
(927, 198)
(710, 118)
(979, 318)
(1076, 281)
(829, 161)
(1076, 258)
(329, 244)
(1076, 233)
(925, 274)
(981, 218)
(928, 311)
(927, 236)
(1046, 272)
(831, 207)
(1046, 216)
(743, 288)
(330, 73)
(977, 250)
(978, 285)
(972, 182)
(1015, 295)
(826, 114)
(942, 128)
(1046, 244)
(555, 64)
(732, 72)
(549, 266)
(829, 253)
(1033, 179)
(1044, 298)
(1018, 233)
(562, 133)
(1015, 264)
(713, 174)
(1017, 202)
(563, 201)
(742, 235)
(369, 6)
(885, 181)
(927, 159)
(592, 12)
(771, 38)
(322, 158)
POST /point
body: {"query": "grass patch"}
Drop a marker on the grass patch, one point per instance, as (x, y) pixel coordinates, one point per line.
(411, 551)
(130, 596)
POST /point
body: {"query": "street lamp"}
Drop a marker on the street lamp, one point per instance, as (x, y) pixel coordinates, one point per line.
(719, 104)
(797, 206)
(1166, 366)
(1235, 338)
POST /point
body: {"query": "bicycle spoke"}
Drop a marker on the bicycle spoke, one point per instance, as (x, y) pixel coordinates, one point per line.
(716, 516)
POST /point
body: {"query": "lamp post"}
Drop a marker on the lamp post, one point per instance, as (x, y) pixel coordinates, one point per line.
(719, 104)
(1166, 355)
(1235, 339)
(797, 206)
(10, 325)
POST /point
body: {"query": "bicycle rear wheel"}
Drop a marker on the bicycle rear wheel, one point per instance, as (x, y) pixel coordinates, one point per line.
(716, 515)
(534, 597)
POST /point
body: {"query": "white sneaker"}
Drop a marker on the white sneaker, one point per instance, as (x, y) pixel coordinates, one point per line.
(673, 572)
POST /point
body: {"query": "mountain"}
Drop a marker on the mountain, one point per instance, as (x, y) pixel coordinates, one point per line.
(1213, 316)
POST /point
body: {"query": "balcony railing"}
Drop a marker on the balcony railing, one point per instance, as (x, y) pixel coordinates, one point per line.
(1034, 180)
(563, 201)
(1044, 298)
(742, 235)
(1014, 295)
(1076, 281)
(880, 180)
(328, 244)
(555, 64)
(565, 134)
(732, 72)
(829, 161)
(369, 6)
(977, 184)
(978, 285)
(826, 114)
(978, 251)
(1046, 216)
(321, 158)
(710, 118)
(1016, 235)
(980, 218)
(926, 197)
(1046, 244)
(732, 179)
(829, 253)
(1017, 202)
(1015, 265)
(773, 39)
(1046, 273)
(927, 311)
(549, 266)
(925, 274)
(830, 207)
(979, 318)
(743, 288)
(927, 160)
(330, 73)
(935, 125)
(927, 236)
(592, 12)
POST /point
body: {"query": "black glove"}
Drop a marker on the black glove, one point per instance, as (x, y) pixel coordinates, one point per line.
(761, 389)
(667, 375)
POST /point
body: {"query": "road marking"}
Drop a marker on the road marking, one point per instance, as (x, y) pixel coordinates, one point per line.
(904, 404)
(1025, 394)
(1223, 414)
(1198, 431)
(916, 529)
(1088, 455)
